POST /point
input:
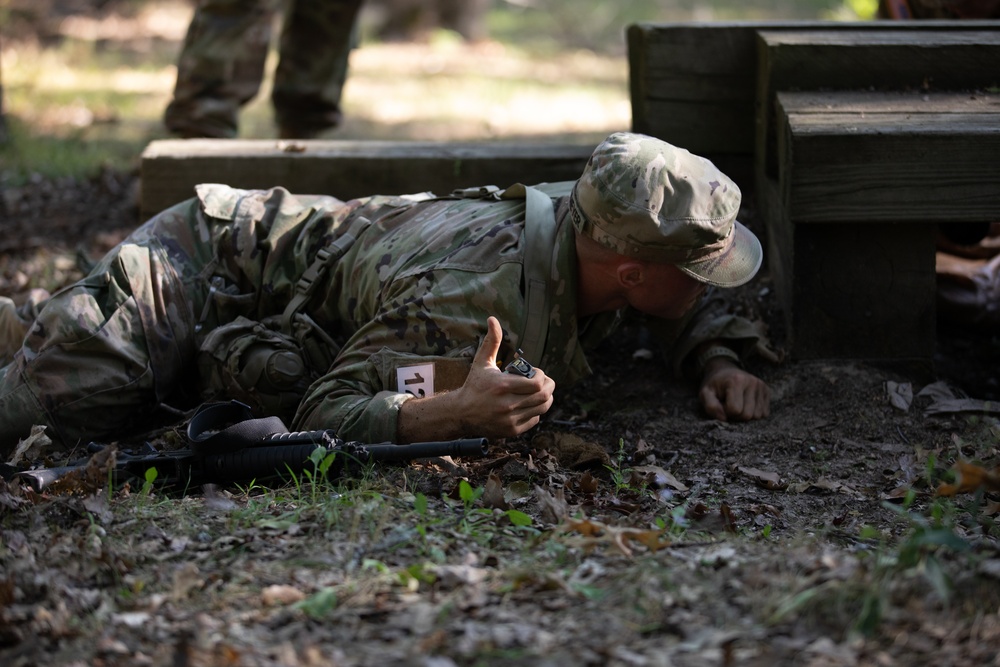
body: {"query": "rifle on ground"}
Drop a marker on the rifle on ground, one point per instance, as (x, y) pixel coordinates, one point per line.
(251, 449)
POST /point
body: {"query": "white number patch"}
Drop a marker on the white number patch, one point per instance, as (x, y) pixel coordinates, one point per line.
(416, 380)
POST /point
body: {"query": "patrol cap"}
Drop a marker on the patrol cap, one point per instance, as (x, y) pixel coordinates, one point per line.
(644, 198)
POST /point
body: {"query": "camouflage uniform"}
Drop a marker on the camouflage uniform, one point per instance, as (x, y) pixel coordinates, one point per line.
(222, 294)
(221, 65)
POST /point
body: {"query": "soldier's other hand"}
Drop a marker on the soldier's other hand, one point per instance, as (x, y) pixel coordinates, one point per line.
(502, 404)
(730, 393)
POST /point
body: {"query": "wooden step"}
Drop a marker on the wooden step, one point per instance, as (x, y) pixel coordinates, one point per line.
(694, 84)
(347, 169)
(862, 157)
(921, 60)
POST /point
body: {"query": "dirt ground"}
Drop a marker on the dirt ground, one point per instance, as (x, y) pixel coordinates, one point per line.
(657, 537)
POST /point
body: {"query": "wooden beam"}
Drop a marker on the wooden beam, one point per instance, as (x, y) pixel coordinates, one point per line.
(348, 169)
(923, 59)
(695, 84)
(863, 157)
(863, 177)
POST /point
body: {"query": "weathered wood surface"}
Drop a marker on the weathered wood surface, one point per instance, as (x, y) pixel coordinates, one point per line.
(881, 59)
(863, 157)
(852, 291)
(347, 169)
(695, 84)
(850, 221)
(862, 292)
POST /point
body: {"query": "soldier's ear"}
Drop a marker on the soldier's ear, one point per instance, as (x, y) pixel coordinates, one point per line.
(631, 274)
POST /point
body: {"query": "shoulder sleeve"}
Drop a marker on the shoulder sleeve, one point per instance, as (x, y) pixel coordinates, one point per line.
(218, 200)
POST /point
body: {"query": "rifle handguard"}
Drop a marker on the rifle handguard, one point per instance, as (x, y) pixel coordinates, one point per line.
(269, 461)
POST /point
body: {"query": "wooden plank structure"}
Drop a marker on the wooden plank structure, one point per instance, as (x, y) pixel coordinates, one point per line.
(849, 183)
(850, 209)
(347, 169)
(862, 178)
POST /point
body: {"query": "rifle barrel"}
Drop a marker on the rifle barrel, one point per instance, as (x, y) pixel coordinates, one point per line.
(265, 462)
(424, 450)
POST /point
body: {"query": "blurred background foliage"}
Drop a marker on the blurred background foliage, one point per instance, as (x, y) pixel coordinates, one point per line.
(85, 82)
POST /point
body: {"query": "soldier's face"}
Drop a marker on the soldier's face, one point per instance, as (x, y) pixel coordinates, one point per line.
(665, 292)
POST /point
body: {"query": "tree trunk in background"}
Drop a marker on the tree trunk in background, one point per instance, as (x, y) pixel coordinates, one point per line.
(3, 119)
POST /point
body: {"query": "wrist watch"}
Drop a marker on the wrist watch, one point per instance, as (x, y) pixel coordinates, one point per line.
(715, 351)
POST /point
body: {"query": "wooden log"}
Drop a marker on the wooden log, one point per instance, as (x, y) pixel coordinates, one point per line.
(347, 169)
(863, 157)
(925, 59)
(695, 84)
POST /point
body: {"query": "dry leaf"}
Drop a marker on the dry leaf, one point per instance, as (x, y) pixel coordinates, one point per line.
(517, 490)
(452, 576)
(554, 508)
(217, 499)
(281, 594)
(186, 579)
(712, 521)
(618, 537)
(98, 505)
(493, 496)
(572, 451)
(822, 485)
(944, 401)
(88, 479)
(588, 483)
(971, 478)
(31, 447)
(900, 394)
(766, 479)
(658, 478)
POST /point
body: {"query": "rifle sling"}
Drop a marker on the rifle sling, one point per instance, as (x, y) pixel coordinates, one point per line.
(325, 258)
(540, 236)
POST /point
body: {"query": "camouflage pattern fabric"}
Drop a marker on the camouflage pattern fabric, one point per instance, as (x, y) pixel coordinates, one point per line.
(404, 310)
(221, 65)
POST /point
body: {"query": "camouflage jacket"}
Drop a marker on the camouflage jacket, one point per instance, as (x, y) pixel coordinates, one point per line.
(406, 304)
(403, 310)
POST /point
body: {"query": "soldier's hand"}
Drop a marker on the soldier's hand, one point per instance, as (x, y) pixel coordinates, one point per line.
(730, 393)
(502, 404)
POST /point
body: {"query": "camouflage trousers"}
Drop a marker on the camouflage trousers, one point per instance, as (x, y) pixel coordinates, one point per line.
(102, 352)
(155, 324)
(221, 65)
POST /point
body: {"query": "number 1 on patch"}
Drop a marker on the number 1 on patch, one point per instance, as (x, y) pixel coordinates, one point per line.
(416, 380)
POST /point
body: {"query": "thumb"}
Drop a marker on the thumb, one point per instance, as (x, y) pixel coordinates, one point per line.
(486, 355)
(712, 405)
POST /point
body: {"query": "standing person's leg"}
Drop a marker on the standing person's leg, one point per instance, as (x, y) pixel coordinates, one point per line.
(316, 41)
(221, 66)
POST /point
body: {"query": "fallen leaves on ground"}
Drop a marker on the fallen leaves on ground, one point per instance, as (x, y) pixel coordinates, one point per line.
(597, 533)
(763, 478)
(970, 478)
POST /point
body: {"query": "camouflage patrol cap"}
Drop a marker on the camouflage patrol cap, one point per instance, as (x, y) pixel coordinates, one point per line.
(644, 198)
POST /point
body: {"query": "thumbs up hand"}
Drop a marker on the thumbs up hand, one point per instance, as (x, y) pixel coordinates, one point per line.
(490, 404)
